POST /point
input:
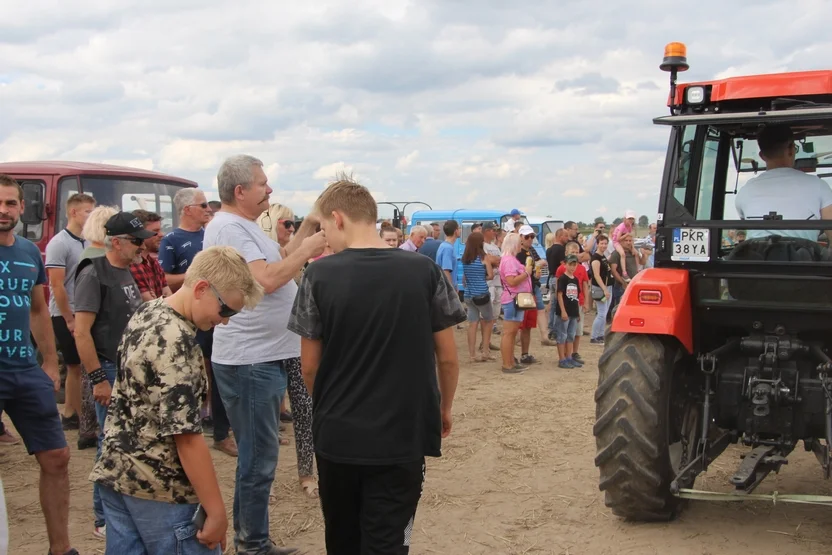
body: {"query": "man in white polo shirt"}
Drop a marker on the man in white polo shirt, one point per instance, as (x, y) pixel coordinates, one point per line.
(793, 194)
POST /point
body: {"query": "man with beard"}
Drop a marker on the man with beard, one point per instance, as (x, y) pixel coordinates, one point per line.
(106, 296)
(26, 389)
(254, 350)
(149, 275)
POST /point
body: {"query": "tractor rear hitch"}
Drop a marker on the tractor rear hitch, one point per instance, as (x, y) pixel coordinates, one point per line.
(700, 463)
(755, 466)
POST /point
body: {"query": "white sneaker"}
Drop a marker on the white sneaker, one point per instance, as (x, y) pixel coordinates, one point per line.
(100, 532)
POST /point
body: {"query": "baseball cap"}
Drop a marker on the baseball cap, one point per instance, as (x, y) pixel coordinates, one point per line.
(514, 212)
(488, 226)
(629, 214)
(125, 223)
(570, 258)
(526, 230)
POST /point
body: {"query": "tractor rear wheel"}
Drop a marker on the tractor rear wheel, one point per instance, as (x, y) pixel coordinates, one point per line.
(638, 437)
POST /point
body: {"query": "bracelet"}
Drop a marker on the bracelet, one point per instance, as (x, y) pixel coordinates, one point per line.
(97, 376)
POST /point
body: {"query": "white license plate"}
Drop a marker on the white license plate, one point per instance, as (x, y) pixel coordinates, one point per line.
(691, 245)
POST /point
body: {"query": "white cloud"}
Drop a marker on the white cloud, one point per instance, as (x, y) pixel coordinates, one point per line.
(405, 162)
(329, 171)
(433, 100)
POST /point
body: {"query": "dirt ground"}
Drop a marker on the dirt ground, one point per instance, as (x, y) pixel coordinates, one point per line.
(517, 477)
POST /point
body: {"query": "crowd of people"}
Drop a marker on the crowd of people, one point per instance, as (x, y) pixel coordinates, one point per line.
(206, 330)
(202, 332)
(501, 280)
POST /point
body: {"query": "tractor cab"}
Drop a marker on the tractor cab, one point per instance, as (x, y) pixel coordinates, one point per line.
(727, 339)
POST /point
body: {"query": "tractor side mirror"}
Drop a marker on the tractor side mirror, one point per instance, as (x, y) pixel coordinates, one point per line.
(33, 207)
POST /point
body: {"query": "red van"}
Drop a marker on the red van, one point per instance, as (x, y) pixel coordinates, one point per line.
(48, 185)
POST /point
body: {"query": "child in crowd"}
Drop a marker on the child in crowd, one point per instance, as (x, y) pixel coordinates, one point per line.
(583, 294)
(568, 309)
(627, 226)
(155, 469)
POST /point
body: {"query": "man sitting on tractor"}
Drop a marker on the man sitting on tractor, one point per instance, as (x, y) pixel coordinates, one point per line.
(793, 194)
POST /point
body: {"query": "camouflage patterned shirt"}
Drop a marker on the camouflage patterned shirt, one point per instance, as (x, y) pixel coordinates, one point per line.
(160, 387)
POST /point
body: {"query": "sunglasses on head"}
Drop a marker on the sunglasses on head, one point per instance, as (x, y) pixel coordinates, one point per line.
(225, 310)
(130, 239)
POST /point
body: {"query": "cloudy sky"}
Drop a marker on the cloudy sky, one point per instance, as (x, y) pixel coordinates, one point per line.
(541, 105)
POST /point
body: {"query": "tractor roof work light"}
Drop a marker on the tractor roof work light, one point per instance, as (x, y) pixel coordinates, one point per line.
(675, 60)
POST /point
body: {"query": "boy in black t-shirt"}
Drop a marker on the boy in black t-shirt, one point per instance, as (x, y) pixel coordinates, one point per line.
(378, 409)
(567, 310)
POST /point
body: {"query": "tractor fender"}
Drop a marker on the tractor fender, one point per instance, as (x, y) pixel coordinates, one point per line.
(668, 313)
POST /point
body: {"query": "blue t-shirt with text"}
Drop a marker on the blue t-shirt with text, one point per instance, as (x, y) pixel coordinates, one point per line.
(21, 269)
(178, 249)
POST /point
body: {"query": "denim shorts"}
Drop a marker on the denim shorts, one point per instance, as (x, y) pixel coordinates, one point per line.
(28, 397)
(511, 313)
(565, 329)
(538, 296)
(484, 312)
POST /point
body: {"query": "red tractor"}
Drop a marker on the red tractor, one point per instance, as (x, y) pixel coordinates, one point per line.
(726, 340)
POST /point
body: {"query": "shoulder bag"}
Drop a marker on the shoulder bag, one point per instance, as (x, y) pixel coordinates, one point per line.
(522, 301)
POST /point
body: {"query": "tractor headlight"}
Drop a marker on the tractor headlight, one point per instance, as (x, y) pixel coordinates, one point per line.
(695, 95)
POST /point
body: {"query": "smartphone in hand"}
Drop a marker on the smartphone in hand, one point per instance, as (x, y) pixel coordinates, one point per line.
(199, 517)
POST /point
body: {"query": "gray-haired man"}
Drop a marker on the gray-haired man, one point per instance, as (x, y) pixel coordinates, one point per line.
(181, 245)
(418, 235)
(252, 351)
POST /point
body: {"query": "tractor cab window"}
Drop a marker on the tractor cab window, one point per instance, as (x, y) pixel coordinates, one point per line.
(714, 164)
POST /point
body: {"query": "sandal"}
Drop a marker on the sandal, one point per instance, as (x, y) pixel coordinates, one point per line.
(282, 440)
(310, 488)
(477, 358)
(488, 357)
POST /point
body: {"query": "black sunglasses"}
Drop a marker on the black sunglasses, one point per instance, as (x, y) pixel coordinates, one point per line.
(288, 224)
(203, 205)
(225, 310)
(130, 239)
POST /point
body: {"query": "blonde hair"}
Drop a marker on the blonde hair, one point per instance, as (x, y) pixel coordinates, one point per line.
(93, 230)
(270, 219)
(226, 270)
(550, 240)
(572, 247)
(350, 197)
(511, 244)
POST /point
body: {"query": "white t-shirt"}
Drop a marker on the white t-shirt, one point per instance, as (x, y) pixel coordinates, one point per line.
(793, 194)
(495, 251)
(259, 335)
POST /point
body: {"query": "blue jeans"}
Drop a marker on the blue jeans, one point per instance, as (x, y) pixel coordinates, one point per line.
(101, 415)
(143, 527)
(617, 293)
(252, 394)
(553, 302)
(600, 322)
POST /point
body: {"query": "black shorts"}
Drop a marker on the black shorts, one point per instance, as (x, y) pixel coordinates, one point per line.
(369, 510)
(65, 341)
